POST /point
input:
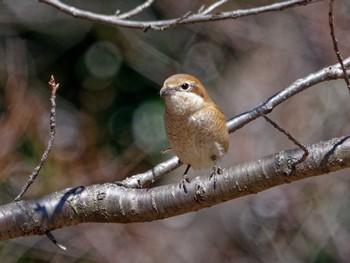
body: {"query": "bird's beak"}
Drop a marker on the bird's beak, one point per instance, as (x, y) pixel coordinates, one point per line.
(166, 91)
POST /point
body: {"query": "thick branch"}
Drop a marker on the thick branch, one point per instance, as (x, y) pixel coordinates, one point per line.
(163, 24)
(112, 203)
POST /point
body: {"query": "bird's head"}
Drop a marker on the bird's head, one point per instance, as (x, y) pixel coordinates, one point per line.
(184, 92)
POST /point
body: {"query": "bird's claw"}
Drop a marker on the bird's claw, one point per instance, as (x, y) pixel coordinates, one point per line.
(216, 170)
(183, 182)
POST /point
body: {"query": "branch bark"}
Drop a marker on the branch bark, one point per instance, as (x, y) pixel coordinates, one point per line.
(112, 203)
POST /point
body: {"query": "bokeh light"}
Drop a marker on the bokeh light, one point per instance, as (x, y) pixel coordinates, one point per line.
(148, 127)
(103, 59)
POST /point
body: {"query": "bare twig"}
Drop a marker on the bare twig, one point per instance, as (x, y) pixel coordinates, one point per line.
(212, 7)
(135, 11)
(160, 25)
(176, 22)
(53, 240)
(290, 137)
(335, 43)
(45, 155)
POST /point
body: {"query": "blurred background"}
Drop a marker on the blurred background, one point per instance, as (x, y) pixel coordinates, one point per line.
(110, 126)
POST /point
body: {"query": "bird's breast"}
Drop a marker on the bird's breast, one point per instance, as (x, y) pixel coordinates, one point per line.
(181, 103)
(195, 137)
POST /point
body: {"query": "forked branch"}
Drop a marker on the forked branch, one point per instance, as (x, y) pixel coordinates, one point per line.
(202, 16)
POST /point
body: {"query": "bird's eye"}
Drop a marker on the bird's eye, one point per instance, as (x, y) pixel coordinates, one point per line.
(185, 86)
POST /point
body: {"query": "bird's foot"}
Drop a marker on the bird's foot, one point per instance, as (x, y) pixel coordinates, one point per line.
(216, 170)
(183, 182)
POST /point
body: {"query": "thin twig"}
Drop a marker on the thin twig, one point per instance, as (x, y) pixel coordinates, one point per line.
(200, 9)
(45, 155)
(335, 43)
(136, 10)
(212, 7)
(163, 24)
(290, 137)
(177, 21)
(53, 240)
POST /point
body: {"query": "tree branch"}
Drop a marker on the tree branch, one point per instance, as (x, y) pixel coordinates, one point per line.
(326, 74)
(335, 43)
(291, 138)
(135, 11)
(46, 153)
(164, 24)
(212, 7)
(112, 203)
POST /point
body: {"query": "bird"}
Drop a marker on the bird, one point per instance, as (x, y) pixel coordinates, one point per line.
(195, 125)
